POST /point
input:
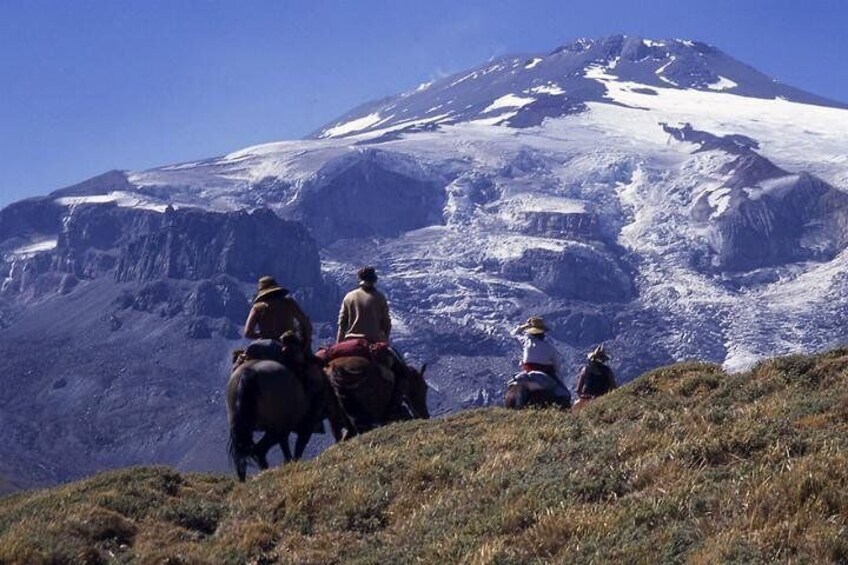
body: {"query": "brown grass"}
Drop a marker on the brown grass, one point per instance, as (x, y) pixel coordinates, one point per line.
(685, 464)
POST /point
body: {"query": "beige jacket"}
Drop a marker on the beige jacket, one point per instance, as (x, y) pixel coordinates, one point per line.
(364, 313)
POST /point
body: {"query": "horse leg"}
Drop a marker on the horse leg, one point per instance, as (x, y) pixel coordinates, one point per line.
(260, 449)
(238, 452)
(516, 397)
(300, 445)
(509, 398)
(334, 416)
(352, 415)
(284, 445)
(241, 468)
(337, 429)
(397, 409)
(522, 398)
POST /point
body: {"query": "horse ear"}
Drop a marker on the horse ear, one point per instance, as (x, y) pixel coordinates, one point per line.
(423, 368)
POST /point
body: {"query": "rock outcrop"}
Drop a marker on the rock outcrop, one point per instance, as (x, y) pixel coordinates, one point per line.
(369, 195)
(580, 272)
(116, 337)
(795, 218)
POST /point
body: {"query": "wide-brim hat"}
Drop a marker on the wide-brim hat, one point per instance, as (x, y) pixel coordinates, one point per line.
(535, 326)
(598, 354)
(266, 287)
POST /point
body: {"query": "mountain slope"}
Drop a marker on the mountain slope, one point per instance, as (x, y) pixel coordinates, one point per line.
(686, 463)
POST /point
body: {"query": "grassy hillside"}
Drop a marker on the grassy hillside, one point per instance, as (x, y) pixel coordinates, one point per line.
(684, 464)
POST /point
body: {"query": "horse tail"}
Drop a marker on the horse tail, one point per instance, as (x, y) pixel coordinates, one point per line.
(516, 397)
(243, 419)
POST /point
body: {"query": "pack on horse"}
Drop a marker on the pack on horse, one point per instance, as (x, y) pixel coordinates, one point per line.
(367, 393)
(523, 394)
(265, 395)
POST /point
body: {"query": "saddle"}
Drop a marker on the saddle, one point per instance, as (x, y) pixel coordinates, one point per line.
(361, 380)
(359, 347)
(537, 381)
(269, 350)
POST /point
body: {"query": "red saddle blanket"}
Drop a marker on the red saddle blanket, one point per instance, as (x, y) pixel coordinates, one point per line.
(354, 348)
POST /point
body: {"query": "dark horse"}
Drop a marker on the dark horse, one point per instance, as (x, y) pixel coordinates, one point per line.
(264, 395)
(522, 394)
(364, 392)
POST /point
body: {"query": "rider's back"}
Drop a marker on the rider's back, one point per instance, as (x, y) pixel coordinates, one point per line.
(276, 316)
(365, 313)
(538, 351)
(598, 379)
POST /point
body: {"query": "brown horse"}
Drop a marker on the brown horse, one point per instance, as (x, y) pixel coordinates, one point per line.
(264, 395)
(366, 396)
(521, 395)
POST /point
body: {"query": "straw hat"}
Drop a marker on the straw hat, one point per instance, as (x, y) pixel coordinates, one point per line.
(535, 326)
(266, 287)
(599, 354)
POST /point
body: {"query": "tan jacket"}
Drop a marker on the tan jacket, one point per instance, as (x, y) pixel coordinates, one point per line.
(364, 313)
(271, 318)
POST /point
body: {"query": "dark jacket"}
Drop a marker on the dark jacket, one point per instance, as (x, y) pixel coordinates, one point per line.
(595, 379)
(275, 315)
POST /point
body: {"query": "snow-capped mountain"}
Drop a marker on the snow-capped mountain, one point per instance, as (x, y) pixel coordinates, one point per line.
(658, 196)
(523, 91)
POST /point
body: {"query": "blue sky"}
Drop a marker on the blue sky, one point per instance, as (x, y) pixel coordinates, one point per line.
(92, 85)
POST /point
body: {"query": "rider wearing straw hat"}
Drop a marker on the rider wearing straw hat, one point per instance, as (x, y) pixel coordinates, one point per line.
(537, 354)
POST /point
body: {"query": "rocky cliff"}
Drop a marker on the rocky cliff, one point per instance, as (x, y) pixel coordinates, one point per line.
(118, 335)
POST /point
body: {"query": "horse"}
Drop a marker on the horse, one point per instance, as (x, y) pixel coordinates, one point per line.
(366, 394)
(523, 394)
(264, 395)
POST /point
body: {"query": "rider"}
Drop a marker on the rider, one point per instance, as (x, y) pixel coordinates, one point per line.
(365, 311)
(364, 314)
(273, 320)
(275, 312)
(596, 378)
(537, 354)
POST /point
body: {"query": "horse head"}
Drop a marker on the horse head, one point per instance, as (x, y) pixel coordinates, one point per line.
(238, 357)
(417, 393)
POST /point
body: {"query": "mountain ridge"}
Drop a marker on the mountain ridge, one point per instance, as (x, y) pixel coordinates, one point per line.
(557, 76)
